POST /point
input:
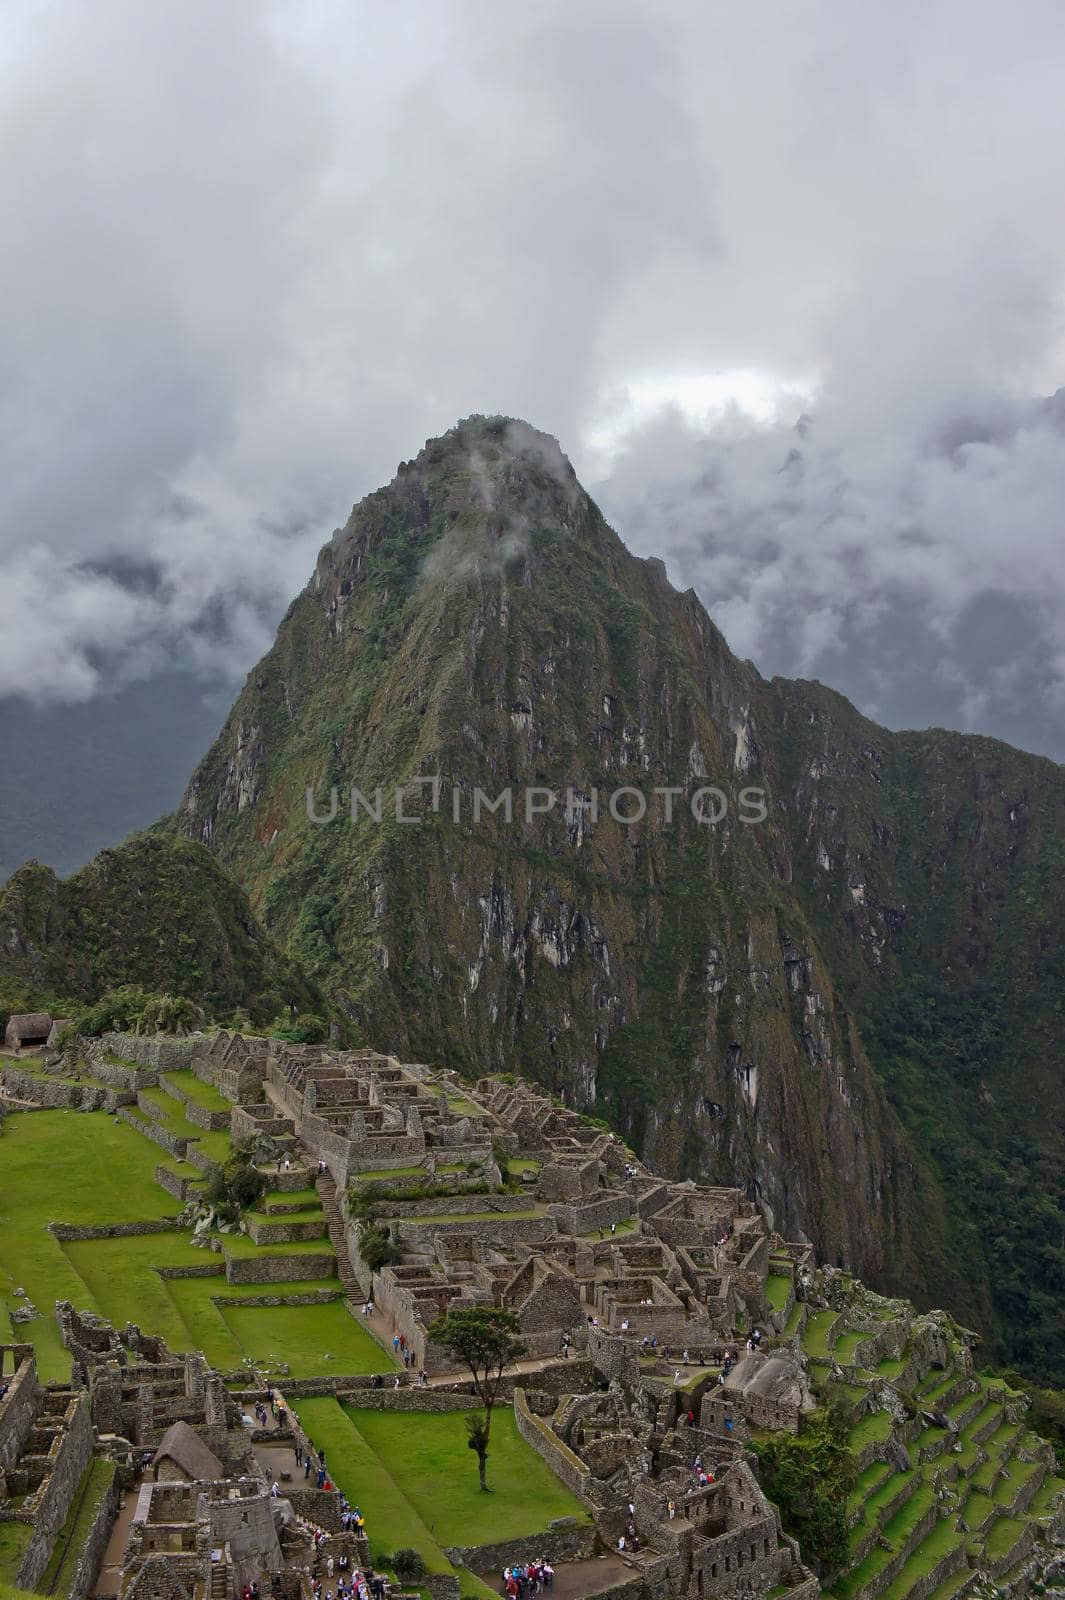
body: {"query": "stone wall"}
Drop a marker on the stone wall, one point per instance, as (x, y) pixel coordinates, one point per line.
(282, 1230)
(559, 1457)
(420, 1236)
(145, 1125)
(214, 1268)
(565, 1539)
(66, 1231)
(50, 1511)
(280, 1269)
(410, 1399)
(585, 1216)
(92, 1550)
(158, 1051)
(309, 1297)
(118, 1074)
(174, 1183)
(52, 1093)
(17, 1410)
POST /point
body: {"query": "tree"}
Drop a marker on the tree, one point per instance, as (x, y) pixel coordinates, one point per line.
(484, 1339)
(810, 1475)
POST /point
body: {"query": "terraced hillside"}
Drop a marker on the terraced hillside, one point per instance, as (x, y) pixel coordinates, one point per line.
(89, 1214)
(952, 1487)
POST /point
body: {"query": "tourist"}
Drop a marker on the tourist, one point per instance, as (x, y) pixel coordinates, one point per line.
(275, 1489)
(671, 1507)
(329, 1567)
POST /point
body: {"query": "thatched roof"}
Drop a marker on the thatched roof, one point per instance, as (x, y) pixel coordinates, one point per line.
(28, 1025)
(183, 1446)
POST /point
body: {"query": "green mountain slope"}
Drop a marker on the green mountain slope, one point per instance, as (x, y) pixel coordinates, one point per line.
(851, 1007)
(158, 912)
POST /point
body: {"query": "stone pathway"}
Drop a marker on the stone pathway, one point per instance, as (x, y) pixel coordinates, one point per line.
(111, 1562)
(575, 1579)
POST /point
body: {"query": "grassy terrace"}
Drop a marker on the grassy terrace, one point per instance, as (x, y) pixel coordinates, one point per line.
(777, 1289)
(311, 1212)
(416, 1480)
(391, 1520)
(202, 1094)
(305, 1198)
(96, 1171)
(933, 1547)
(14, 1538)
(101, 1171)
(815, 1335)
(795, 1315)
(846, 1347)
(875, 1427)
(169, 1114)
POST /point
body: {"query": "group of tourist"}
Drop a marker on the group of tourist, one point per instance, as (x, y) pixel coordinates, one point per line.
(520, 1581)
(361, 1585)
(629, 1540)
(403, 1352)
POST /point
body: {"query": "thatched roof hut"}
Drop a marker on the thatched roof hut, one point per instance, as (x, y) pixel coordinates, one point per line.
(27, 1027)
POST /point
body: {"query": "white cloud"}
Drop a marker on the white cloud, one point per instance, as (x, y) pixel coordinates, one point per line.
(256, 253)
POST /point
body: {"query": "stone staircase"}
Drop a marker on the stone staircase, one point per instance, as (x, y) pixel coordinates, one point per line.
(327, 1193)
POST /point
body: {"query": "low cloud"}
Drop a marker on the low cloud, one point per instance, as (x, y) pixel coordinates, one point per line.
(254, 254)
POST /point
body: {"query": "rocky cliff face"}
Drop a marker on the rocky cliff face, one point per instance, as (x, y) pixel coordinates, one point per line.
(750, 999)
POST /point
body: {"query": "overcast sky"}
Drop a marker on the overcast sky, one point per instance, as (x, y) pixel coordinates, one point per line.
(254, 254)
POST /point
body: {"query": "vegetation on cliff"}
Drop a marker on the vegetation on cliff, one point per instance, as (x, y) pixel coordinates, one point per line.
(157, 916)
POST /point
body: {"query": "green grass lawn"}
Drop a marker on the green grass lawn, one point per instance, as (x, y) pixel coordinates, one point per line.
(291, 1197)
(391, 1521)
(14, 1537)
(303, 1336)
(777, 1290)
(876, 1426)
(203, 1094)
(429, 1459)
(65, 1166)
(815, 1334)
(239, 1244)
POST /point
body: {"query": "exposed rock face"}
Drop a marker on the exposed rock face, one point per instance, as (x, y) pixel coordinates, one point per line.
(718, 991)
